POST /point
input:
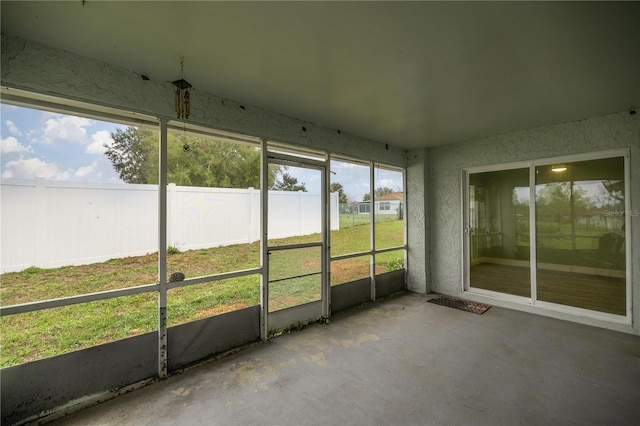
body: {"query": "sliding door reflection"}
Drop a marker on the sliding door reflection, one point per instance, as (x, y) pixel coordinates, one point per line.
(580, 234)
(499, 231)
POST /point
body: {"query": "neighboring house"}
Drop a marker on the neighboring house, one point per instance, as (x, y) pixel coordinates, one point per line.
(390, 204)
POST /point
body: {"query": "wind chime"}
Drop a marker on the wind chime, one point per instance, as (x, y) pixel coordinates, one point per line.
(182, 99)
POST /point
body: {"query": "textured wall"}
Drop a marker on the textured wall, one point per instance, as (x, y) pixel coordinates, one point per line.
(591, 135)
(31, 66)
(418, 221)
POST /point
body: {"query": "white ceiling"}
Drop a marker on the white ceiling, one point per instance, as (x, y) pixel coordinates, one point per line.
(411, 74)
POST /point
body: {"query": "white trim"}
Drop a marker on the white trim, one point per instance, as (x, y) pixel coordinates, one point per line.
(325, 283)
(586, 156)
(326, 232)
(295, 246)
(220, 135)
(74, 300)
(405, 235)
(213, 278)
(162, 251)
(498, 167)
(372, 229)
(500, 296)
(347, 159)
(627, 237)
(389, 249)
(264, 239)
(533, 247)
(573, 310)
(295, 151)
(388, 167)
(292, 160)
(273, 320)
(351, 255)
(533, 301)
(40, 101)
(466, 241)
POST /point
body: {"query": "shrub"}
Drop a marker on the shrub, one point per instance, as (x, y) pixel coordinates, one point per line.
(395, 264)
(32, 270)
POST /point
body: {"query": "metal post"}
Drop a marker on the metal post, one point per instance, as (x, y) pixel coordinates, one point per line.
(326, 231)
(572, 206)
(372, 224)
(162, 251)
(405, 235)
(264, 253)
(533, 256)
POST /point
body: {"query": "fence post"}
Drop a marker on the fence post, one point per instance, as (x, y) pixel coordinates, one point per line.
(40, 255)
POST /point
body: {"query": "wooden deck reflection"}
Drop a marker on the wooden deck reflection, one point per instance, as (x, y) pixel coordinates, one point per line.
(593, 292)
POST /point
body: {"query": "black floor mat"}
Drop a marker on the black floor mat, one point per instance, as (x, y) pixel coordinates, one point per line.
(462, 304)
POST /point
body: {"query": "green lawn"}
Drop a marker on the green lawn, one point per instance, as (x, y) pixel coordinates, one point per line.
(556, 235)
(40, 334)
(349, 220)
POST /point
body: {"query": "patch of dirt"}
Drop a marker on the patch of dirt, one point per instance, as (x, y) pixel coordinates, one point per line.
(221, 309)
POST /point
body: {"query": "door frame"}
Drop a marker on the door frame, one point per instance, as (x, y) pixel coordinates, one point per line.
(532, 301)
(307, 312)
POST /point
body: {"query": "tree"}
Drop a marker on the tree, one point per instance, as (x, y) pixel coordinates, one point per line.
(288, 183)
(556, 199)
(337, 187)
(129, 153)
(191, 160)
(379, 192)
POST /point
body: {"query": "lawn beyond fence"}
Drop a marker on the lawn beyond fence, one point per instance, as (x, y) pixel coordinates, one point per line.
(40, 334)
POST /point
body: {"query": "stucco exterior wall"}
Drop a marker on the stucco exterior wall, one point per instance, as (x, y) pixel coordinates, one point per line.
(31, 66)
(418, 221)
(620, 130)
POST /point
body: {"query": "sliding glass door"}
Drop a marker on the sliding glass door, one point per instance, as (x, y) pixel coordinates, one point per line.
(550, 233)
(498, 231)
(580, 234)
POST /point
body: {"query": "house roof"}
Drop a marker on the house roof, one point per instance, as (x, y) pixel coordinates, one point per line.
(391, 197)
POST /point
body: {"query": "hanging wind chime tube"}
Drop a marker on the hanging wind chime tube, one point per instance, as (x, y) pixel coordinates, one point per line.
(182, 98)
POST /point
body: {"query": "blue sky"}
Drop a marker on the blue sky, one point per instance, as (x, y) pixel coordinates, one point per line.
(54, 146)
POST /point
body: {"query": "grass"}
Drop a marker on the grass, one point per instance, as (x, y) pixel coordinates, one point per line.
(556, 235)
(349, 220)
(40, 334)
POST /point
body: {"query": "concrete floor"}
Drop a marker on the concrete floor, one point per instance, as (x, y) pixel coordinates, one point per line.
(403, 361)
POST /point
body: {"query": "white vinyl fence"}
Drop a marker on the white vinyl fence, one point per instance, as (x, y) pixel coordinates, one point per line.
(50, 224)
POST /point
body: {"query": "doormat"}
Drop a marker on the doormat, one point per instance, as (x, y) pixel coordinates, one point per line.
(462, 304)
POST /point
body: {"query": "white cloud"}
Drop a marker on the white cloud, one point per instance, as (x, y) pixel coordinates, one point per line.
(11, 144)
(337, 165)
(98, 142)
(388, 183)
(13, 129)
(66, 128)
(86, 170)
(34, 167)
